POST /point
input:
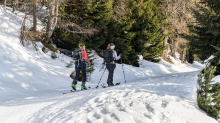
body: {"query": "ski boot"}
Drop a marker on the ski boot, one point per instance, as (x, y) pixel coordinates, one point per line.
(74, 87)
(74, 84)
(83, 87)
(110, 82)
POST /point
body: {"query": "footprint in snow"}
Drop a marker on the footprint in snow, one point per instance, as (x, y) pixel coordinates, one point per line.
(164, 104)
(113, 115)
(97, 116)
(149, 108)
(89, 121)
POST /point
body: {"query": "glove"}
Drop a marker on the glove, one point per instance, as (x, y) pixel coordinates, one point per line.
(120, 54)
(91, 62)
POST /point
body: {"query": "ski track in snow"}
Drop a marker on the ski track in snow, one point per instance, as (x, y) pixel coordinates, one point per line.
(31, 87)
(155, 100)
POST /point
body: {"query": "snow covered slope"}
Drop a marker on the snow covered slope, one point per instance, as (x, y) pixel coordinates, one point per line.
(31, 87)
(22, 69)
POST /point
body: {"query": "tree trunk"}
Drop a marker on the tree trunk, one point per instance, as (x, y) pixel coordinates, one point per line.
(4, 5)
(52, 20)
(13, 6)
(34, 17)
(190, 57)
(20, 4)
(165, 52)
(173, 48)
(16, 4)
(173, 45)
(183, 54)
(187, 56)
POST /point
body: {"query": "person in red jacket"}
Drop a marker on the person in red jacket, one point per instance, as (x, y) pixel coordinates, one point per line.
(81, 65)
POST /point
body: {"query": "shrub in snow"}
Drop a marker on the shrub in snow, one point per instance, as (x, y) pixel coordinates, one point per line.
(53, 55)
(45, 50)
(89, 68)
(208, 97)
(70, 64)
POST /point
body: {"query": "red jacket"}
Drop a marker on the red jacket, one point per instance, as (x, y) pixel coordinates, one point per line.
(84, 55)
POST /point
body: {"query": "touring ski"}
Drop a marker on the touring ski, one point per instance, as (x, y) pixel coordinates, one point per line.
(72, 91)
(110, 86)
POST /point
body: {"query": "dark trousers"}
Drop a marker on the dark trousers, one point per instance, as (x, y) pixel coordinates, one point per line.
(110, 68)
(78, 67)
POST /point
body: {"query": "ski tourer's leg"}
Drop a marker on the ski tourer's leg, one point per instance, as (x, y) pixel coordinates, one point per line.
(74, 84)
(83, 67)
(77, 69)
(111, 68)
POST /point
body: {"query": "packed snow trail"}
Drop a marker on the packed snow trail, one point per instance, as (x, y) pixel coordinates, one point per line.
(156, 100)
(32, 86)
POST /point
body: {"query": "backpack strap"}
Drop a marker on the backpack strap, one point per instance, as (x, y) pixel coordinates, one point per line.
(111, 56)
(80, 51)
(80, 54)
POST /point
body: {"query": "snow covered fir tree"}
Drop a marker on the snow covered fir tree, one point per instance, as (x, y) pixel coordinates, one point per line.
(208, 92)
(109, 61)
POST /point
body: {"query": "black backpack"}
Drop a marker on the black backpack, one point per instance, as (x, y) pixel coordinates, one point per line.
(77, 54)
(108, 56)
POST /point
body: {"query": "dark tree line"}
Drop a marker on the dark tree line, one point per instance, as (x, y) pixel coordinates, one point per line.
(136, 27)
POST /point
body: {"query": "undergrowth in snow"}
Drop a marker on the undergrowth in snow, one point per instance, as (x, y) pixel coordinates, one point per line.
(32, 83)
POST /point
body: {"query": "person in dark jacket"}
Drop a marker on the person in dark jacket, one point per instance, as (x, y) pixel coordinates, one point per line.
(111, 66)
(81, 65)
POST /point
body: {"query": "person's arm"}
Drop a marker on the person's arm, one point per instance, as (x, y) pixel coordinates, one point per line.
(115, 55)
(84, 56)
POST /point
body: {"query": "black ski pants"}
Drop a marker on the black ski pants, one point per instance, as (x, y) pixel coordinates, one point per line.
(78, 67)
(110, 68)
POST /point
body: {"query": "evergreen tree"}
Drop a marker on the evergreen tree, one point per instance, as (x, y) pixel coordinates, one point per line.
(208, 97)
(137, 31)
(89, 66)
(204, 37)
(88, 14)
(215, 61)
(149, 36)
(206, 33)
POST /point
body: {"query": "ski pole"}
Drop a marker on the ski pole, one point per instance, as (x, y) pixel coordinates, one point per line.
(90, 71)
(90, 74)
(123, 70)
(101, 78)
(103, 65)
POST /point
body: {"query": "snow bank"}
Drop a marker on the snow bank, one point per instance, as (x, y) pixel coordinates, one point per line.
(32, 83)
(22, 69)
